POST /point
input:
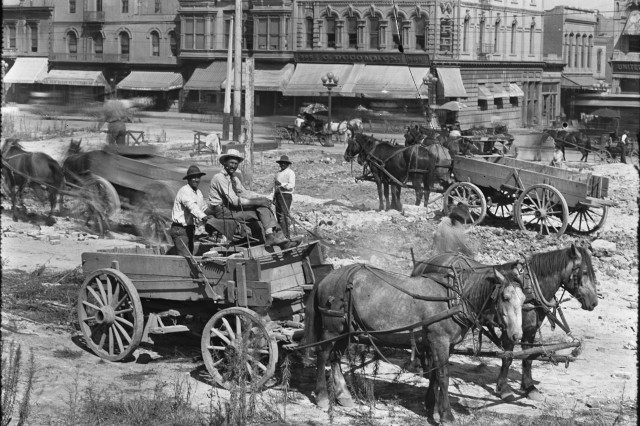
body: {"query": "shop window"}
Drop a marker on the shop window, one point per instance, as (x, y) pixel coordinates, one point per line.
(269, 33)
(125, 6)
(628, 85)
(72, 44)
(498, 102)
(483, 104)
(352, 32)
(155, 43)
(422, 31)
(173, 43)
(98, 44)
(634, 43)
(72, 6)
(374, 33)
(33, 29)
(309, 33)
(331, 32)
(124, 43)
(514, 101)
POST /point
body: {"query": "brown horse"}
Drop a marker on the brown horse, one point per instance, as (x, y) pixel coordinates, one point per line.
(569, 268)
(35, 169)
(394, 165)
(76, 165)
(392, 310)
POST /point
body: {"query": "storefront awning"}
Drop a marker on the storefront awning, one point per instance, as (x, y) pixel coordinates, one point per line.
(515, 91)
(208, 77)
(499, 91)
(76, 78)
(151, 81)
(266, 80)
(306, 79)
(451, 81)
(578, 82)
(27, 71)
(484, 93)
(390, 82)
(632, 26)
(607, 103)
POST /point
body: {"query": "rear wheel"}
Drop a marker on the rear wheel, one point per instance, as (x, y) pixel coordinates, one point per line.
(586, 219)
(500, 205)
(469, 195)
(543, 209)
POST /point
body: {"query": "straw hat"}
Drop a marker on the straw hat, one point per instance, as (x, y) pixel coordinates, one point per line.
(193, 171)
(284, 159)
(232, 153)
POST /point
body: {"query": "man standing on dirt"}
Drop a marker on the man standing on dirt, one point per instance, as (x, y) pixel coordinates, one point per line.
(284, 184)
(115, 115)
(624, 140)
(189, 204)
(229, 199)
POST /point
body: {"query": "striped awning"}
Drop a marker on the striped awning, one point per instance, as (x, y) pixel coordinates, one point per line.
(208, 77)
(515, 91)
(451, 81)
(27, 71)
(151, 81)
(266, 80)
(390, 82)
(484, 93)
(306, 79)
(499, 91)
(76, 78)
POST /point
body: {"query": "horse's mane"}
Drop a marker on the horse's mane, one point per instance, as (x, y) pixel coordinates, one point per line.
(547, 265)
(477, 284)
(586, 260)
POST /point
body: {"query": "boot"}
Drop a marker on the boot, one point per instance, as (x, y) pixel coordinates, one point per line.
(275, 239)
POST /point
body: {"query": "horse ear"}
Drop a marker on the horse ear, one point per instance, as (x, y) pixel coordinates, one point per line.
(574, 251)
(501, 279)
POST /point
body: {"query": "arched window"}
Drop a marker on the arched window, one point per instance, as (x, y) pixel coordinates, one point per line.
(309, 32)
(576, 53)
(98, 44)
(481, 35)
(396, 31)
(514, 24)
(531, 41)
(422, 30)
(72, 44)
(465, 34)
(124, 43)
(583, 55)
(590, 52)
(155, 43)
(374, 33)
(331, 32)
(173, 43)
(352, 32)
(572, 40)
(496, 37)
(565, 48)
(599, 61)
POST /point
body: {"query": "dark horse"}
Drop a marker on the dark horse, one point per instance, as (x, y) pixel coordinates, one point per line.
(35, 169)
(393, 310)
(77, 165)
(394, 165)
(569, 268)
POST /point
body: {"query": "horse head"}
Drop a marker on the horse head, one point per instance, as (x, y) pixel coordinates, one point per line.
(359, 144)
(582, 283)
(74, 146)
(12, 143)
(508, 299)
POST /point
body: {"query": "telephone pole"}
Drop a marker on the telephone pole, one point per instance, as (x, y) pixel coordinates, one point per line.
(237, 75)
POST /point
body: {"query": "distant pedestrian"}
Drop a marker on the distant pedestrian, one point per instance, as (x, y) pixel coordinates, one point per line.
(283, 186)
(624, 141)
(585, 150)
(115, 115)
(450, 236)
(244, 139)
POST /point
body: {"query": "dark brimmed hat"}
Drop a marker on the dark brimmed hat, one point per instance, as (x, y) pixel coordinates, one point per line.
(232, 153)
(284, 159)
(193, 171)
(461, 214)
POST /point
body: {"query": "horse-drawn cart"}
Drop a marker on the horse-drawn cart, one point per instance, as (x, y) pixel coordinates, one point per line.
(243, 303)
(306, 135)
(540, 198)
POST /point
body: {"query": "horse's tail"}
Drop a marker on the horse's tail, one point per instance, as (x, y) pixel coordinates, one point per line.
(312, 322)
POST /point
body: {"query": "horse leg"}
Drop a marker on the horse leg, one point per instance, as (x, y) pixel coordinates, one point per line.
(430, 397)
(387, 206)
(440, 358)
(322, 394)
(527, 385)
(417, 186)
(381, 197)
(503, 389)
(398, 192)
(343, 396)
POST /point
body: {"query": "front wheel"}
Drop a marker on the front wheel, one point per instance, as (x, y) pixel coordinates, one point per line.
(238, 349)
(469, 195)
(543, 209)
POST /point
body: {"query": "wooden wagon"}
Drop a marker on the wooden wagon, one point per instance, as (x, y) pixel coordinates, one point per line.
(540, 198)
(243, 303)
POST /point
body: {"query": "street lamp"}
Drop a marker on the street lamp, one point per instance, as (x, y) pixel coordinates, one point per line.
(427, 81)
(329, 81)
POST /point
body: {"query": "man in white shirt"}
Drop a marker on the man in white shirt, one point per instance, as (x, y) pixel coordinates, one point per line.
(624, 140)
(283, 187)
(188, 205)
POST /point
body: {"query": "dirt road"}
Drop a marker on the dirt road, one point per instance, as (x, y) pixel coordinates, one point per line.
(600, 385)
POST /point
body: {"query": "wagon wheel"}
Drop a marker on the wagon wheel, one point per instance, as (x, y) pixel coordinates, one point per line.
(543, 209)
(110, 314)
(468, 194)
(500, 206)
(585, 219)
(237, 348)
(154, 212)
(95, 200)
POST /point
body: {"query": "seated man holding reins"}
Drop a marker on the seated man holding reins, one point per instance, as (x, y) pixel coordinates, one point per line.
(229, 199)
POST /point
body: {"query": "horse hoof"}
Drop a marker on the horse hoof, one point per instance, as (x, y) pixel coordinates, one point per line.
(345, 402)
(322, 403)
(535, 395)
(507, 396)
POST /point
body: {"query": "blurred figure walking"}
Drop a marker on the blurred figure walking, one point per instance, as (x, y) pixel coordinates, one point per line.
(115, 115)
(450, 236)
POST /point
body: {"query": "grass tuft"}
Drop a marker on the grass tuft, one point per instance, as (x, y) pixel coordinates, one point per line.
(11, 366)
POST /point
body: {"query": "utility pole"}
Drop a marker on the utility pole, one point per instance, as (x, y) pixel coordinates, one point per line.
(248, 113)
(237, 80)
(226, 115)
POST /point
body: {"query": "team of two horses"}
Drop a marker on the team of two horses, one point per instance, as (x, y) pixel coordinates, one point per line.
(416, 312)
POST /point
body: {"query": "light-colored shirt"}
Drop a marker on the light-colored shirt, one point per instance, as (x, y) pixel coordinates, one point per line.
(623, 139)
(299, 122)
(455, 133)
(450, 239)
(287, 179)
(187, 205)
(221, 191)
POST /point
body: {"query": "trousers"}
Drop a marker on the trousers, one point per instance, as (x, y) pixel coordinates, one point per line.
(116, 133)
(283, 205)
(182, 237)
(262, 214)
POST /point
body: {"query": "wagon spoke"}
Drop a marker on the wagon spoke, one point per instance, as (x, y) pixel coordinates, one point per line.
(116, 294)
(93, 292)
(123, 331)
(229, 329)
(110, 341)
(118, 338)
(123, 311)
(221, 336)
(124, 321)
(120, 302)
(102, 293)
(261, 366)
(249, 370)
(91, 318)
(91, 305)
(533, 202)
(109, 295)
(103, 338)
(217, 348)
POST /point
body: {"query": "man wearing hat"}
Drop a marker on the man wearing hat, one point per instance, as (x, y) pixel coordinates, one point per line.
(624, 140)
(283, 186)
(229, 199)
(450, 235)
(189, 204)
